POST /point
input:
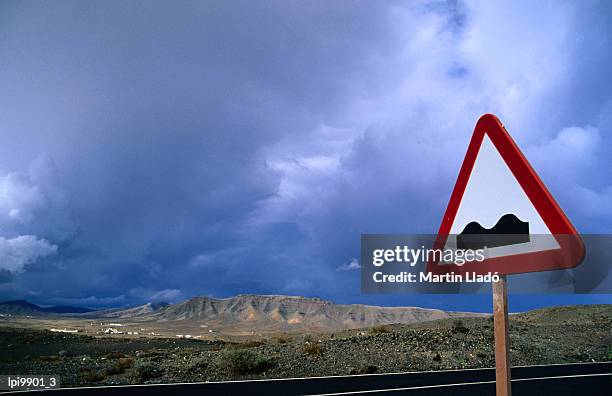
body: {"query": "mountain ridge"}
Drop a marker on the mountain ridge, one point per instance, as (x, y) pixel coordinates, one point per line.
(271, 313)
(23, 307)
(254, 313)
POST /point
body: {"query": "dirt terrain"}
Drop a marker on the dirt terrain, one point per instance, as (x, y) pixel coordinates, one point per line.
(552, 335)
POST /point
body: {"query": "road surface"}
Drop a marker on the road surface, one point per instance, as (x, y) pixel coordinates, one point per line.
(582, 379)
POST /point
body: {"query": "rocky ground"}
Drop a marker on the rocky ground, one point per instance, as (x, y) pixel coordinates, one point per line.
(553, 335)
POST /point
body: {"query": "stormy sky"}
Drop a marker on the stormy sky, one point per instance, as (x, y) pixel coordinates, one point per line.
(162, 150)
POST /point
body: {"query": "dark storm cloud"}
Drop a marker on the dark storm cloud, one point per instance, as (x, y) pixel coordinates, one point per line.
(175, 149)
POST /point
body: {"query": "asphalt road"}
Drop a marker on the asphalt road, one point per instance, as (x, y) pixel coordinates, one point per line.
(564, 379)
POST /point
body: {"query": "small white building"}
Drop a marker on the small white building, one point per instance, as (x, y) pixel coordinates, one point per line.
(64, 330)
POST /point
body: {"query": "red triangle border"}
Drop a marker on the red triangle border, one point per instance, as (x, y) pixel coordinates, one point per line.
(571, 251)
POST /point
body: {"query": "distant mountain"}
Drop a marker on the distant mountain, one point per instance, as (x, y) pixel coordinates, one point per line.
(262, 314)
(129, 312)
(25, 308)
(67, 309)
(19, 307)
(246, 314)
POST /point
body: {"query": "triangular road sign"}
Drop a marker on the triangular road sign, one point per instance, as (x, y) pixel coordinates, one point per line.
(500, 204)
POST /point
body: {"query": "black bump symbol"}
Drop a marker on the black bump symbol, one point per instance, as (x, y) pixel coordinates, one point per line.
(509, 230)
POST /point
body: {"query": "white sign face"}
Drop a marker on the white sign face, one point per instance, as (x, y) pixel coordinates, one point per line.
(492, 192)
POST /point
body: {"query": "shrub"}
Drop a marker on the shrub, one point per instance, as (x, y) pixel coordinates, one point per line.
(284, 339)
(143, 371)
(245, 361)
(49, 358)
(198, 365)
(367, 369)
(312, 349)
(119, 367)
(380, 329)
(144, 354)
(114, 355)
(124, 363)
(112, 370)
(459, 327)
(249, 344)
(91, 375)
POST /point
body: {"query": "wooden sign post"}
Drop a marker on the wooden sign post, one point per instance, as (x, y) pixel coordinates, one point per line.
(502, 340)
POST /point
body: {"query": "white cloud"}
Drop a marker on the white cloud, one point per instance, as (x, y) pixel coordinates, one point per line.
(19, 198)
(90, 301)
(32, 202)
(578, 147)
(417, 104)
(298, 286)
(567, 163)
(18, 252)
(165, 295)
(573, 142)
(352, 265)
(405, 126)
(217, 258)
(593, 203)
(360, 128)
